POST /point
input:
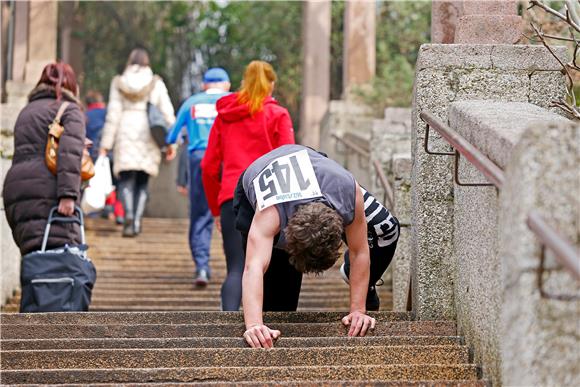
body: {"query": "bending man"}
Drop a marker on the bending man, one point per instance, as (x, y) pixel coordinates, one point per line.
(293, 207)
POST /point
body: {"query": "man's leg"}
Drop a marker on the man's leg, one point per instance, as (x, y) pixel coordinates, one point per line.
(282, 284)
(200, 218)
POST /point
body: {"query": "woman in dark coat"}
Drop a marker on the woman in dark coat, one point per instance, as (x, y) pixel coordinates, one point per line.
(30, 189)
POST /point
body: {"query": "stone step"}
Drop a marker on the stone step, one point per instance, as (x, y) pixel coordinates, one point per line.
(135, 318)
(295, 383)
(219, 342)
(232, 357)
(401, 372)
(195, 302)
(394, 328)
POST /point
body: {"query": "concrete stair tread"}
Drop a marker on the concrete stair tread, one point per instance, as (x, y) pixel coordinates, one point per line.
(233, 357)
(184, 317)
(238, 374)
(396, 328)
(205, 342)
(313, 383)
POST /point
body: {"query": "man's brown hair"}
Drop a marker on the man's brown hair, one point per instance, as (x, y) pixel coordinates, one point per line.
(313, 237)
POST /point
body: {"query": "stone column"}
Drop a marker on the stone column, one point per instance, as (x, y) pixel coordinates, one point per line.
(489, 22)
(42, 38)
(20, 45)
(316, 23)
(444, 17)
(359, 43)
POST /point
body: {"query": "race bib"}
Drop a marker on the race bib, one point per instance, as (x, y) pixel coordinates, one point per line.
(285, 179)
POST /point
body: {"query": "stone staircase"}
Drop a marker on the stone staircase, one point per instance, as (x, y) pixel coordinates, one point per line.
(148, 324)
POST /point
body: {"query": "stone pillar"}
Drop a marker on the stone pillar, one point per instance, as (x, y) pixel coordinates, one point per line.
(42, 37)
(444, 17)
(359, 43)
(316, 23)
(20, 45)
(489, 22)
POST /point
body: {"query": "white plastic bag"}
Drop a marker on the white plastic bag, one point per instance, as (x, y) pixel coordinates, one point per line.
(100, 186)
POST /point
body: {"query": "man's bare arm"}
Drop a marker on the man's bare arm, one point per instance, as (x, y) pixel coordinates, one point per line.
(265, 225)
(356, 237)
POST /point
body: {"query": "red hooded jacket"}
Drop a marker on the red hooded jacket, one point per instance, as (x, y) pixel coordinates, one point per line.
(236, 140)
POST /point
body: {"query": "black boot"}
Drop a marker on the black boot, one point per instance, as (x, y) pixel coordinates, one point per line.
(140, 204)
(128, 199)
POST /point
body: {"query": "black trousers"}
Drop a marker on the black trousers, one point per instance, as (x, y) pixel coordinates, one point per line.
(282, 281)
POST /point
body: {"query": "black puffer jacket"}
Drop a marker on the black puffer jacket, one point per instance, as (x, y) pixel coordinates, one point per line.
(30, 190)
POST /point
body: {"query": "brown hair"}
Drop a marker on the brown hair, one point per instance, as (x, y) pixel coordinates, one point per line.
(59, 75)
(139, 57)
(93, 96)
(313, 237)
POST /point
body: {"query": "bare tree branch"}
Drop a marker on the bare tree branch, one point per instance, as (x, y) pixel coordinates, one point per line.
(566, 18)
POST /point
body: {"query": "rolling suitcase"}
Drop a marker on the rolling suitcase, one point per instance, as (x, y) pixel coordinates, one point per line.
(57, 280)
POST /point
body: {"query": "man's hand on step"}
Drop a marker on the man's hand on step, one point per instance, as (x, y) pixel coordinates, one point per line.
(359, 323)
(260, 336)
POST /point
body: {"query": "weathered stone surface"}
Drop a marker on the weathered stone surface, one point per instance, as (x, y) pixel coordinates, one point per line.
(492, 7)
(359, 43)
(484, 56)
(489, 29)
(234, 357)
(540, 336)
(496, 127)
(224, 342)
(316, 69)
(444, 17)
(164, 200)
(237, 374)
(448, 73)
(401, 264)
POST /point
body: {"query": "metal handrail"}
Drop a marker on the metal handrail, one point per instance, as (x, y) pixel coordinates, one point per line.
(493, 173)
(389, 197)
(564, 251)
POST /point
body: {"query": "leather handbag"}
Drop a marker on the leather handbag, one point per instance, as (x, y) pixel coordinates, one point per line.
(55, 131)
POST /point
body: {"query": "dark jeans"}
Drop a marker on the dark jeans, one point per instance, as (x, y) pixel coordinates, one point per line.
(282, 281)
(133, 190)
(235, 258)
(200, 218)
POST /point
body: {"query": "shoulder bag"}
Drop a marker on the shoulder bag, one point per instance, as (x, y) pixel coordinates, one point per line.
(55, 131)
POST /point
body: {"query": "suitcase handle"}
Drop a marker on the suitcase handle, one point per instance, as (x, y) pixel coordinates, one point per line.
(63, 219)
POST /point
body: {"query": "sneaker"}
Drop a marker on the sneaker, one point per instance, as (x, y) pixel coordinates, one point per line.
(344, 274)
(201, 278)
(373, 303)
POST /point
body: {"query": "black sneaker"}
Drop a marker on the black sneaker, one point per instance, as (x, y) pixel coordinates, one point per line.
(373, 303)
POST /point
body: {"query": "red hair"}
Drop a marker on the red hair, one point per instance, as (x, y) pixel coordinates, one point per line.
(257, 85)
(59, 75)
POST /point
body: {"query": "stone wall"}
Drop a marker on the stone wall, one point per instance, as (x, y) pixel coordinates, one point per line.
(9, 254)
(495, 128)
(446, 74)
(540, 337)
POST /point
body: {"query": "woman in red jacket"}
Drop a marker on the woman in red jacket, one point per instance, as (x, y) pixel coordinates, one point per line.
(250, 123)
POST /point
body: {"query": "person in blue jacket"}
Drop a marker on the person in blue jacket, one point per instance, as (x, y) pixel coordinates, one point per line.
(198, 113)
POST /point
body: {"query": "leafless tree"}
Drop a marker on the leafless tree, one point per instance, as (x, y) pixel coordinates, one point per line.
(570, 16)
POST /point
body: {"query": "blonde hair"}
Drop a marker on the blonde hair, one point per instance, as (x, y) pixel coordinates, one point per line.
(257, 85)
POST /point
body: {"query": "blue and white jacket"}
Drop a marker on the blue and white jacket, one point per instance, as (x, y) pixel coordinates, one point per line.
(198, 113)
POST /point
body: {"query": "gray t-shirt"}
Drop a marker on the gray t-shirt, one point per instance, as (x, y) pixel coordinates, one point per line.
(272, 173)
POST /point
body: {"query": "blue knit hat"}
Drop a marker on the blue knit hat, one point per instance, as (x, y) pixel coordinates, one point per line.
(215, 75)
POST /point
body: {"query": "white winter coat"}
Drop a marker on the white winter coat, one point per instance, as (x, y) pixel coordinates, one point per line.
(126, 129)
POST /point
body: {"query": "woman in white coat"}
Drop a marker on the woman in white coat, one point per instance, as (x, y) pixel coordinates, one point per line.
(127, 133)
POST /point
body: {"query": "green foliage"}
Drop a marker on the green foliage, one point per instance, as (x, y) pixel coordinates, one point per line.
(402, 27)
(178, 33)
